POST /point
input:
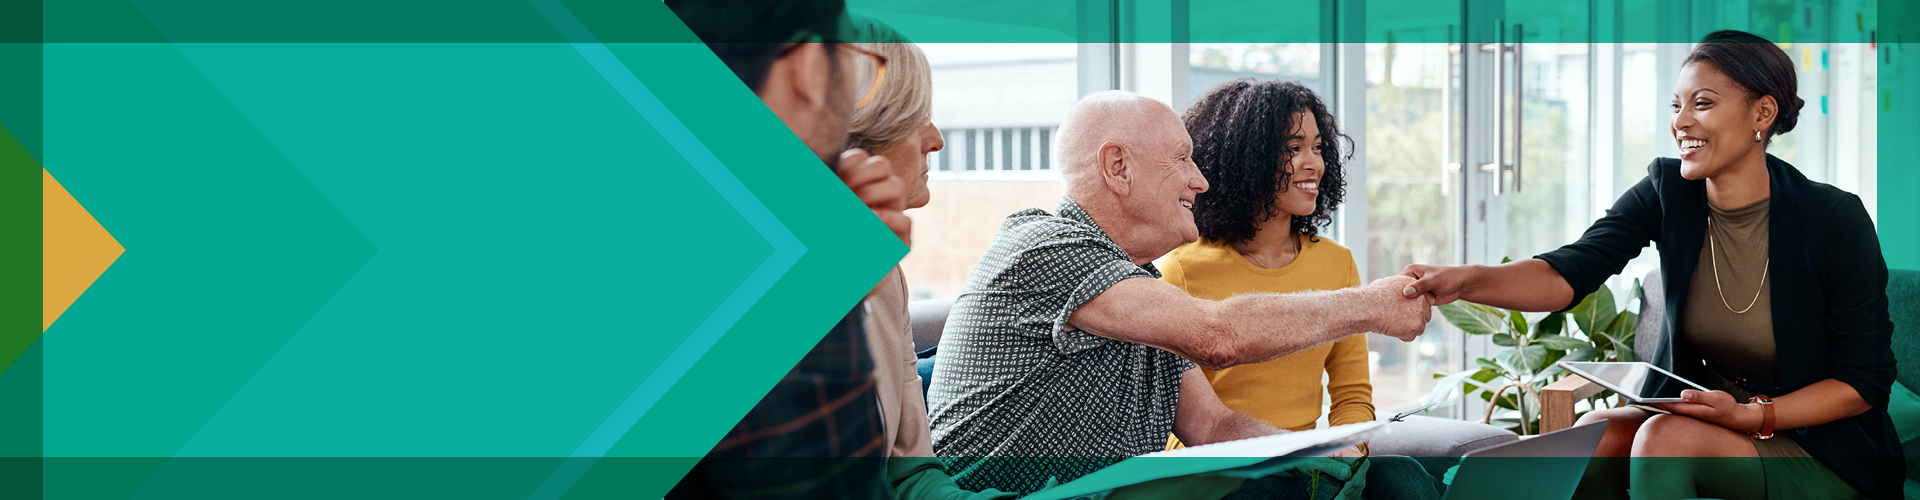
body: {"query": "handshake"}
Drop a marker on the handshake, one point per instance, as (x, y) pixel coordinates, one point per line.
(1403, 303)
(1396, 313)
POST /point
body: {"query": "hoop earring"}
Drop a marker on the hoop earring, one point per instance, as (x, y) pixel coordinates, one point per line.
(1756, 136)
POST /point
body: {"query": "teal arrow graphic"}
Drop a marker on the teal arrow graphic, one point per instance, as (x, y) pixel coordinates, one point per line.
(503, 254)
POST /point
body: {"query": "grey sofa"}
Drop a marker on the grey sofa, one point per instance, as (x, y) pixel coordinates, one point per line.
(1418, 436)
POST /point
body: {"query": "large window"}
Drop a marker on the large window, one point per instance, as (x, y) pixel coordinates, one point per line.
(997, 106)
(1411, 199)
(1211, 64)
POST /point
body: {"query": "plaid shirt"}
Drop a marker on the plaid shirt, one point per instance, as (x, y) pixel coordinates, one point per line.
(817, 434)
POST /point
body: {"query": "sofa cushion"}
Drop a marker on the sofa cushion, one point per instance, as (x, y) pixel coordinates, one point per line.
(924, 365)
(1903, 305)
(1903, 406)
(1422, 436)
(1653, 310)
(929, 318)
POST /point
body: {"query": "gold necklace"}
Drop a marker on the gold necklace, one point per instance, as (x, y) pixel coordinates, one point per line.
(1714, 253)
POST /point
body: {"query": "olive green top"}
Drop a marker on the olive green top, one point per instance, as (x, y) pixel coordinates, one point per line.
(1737, 345)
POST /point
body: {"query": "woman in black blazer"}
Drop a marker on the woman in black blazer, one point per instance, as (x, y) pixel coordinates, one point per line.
(1812, 273)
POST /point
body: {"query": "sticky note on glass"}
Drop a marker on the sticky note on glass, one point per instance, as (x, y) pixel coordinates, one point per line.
(1806, 58)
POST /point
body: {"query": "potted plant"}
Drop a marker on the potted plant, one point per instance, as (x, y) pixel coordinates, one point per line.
(1527, 364)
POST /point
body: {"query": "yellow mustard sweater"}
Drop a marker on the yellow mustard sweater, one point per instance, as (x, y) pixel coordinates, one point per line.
(1285, 392)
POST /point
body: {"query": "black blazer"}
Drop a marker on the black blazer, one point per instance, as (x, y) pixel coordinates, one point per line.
(1829, 286)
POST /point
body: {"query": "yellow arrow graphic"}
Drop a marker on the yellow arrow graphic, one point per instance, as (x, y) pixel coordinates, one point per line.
(77, 250)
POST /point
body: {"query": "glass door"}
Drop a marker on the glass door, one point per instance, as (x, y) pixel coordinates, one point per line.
(1540, 196)
(1411, 134)
(1526, 110)
(1475, 149)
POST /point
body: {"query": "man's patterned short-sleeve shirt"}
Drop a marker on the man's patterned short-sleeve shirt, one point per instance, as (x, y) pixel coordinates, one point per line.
(1016, 399)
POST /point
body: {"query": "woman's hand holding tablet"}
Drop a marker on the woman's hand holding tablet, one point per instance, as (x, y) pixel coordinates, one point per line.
(1719, 408)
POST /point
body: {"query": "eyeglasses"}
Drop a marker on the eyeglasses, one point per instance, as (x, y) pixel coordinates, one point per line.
(870, 68)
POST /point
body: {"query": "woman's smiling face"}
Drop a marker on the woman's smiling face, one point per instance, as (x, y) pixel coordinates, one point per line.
(1715, 121)
(1300, 196)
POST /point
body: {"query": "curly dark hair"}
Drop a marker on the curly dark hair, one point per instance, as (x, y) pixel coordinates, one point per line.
(1237, 129)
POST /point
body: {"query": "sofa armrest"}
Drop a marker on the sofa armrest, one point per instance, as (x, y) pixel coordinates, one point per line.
(1424, 436)
(1556, 401)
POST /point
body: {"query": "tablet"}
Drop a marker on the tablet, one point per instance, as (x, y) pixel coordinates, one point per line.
(1639, 382)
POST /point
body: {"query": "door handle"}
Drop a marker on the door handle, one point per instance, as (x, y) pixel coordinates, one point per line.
(1519, 97)
(1500, 165)
(1449, 166)
(1498, 48)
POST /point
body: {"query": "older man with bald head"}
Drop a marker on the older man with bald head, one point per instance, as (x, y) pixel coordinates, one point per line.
(1064, 354)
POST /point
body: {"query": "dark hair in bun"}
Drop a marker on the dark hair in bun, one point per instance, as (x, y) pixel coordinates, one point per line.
(1757, 66)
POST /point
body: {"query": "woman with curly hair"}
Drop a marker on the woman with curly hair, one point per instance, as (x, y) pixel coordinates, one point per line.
(1273, 155)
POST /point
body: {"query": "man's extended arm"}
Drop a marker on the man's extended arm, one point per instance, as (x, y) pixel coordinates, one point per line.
(1248, 328)
(1202, 419)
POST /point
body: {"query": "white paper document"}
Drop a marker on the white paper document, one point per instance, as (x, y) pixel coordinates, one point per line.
(1244, 458)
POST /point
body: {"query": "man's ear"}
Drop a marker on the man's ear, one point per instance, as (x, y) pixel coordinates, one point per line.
(803, 74)
(1114, 167)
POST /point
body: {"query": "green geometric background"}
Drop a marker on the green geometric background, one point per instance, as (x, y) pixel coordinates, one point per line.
(487, 249)
(349, 260)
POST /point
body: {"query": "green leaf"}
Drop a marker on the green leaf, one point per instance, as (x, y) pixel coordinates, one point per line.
(1548, 368)
(1553, 324)
(1535, 357)
(1638, 294)
(1505, 341)
(1596, 312)
(1496, 312)
(1582, 354)
(1480, 382)
(1624, 325)
(1622, 334)
(1563, 342)
(1625, 352)
(1524, 360)
(1504, 260)
(1509, 362)
(1600, 340)
(1539, 380)
(1448, 387)
(1474, 319)
(1518, 322)
(1487, 363)
(1467, 382)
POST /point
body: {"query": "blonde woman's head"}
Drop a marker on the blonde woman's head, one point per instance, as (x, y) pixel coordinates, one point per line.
(897, 122)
